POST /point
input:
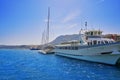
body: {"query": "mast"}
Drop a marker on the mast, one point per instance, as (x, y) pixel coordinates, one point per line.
(48, 25)
(45, 34)
(43, 38)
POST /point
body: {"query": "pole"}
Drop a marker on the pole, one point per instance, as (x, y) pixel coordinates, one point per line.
(48, 24)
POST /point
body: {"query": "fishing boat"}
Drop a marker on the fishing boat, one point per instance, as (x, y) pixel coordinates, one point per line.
(91, 47)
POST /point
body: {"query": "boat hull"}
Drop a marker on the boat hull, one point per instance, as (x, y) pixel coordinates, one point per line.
(41, 51)
(108, 54)
(105, 58)
(46, 51)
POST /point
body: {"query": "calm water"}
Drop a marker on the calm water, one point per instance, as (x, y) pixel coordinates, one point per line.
(30, 65)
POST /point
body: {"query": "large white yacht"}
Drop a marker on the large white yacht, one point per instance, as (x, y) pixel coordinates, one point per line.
(91, 47)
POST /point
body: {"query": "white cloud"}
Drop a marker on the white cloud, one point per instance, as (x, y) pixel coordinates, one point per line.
(70, 17)
(46, 20)
(72, 25)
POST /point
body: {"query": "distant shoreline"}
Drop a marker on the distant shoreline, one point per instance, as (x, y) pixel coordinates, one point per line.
(16, 46)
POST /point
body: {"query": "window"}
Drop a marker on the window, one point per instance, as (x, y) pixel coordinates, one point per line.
(99, 33)
(94, 42)
(76, 48)
(80, 41)
(90, 43)
(95, 33)
(65, 47)
(72, 48)
(102, 42)
(106, 42)
(91, 33)
(98, 42)
(68, 47)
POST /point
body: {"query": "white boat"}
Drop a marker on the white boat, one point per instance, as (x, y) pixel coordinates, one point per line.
(46, 49)
(41, 51)
(91, 47)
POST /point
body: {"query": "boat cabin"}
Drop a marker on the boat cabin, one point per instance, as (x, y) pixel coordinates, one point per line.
(90, 38)
(94, 37)
(98, 41)
(93, 33)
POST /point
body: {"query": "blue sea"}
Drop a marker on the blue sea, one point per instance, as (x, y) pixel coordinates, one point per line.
(31, 65)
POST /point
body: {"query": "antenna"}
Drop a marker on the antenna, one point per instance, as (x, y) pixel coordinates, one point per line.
(86, 25)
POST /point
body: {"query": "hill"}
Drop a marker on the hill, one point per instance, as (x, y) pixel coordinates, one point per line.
(65, 38)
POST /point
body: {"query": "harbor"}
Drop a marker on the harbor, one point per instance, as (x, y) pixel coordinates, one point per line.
(29, 65)
(59, 40)
(94, 48)
(90, 46)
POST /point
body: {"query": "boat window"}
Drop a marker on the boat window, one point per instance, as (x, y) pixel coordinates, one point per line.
(94, 42)
(102, 42)
(99, 33)
(76, 48)
(90, 43)
(95, 33)
(68, 47)
(71, 48)
(98, 42)
(80, 41)
(65, 47)
(106, 42)
(91, 33)
(87, 33)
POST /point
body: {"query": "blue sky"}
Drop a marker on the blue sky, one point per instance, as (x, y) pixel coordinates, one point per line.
(23, 21)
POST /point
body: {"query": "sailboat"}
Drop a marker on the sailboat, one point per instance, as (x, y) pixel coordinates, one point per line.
(46, 47)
